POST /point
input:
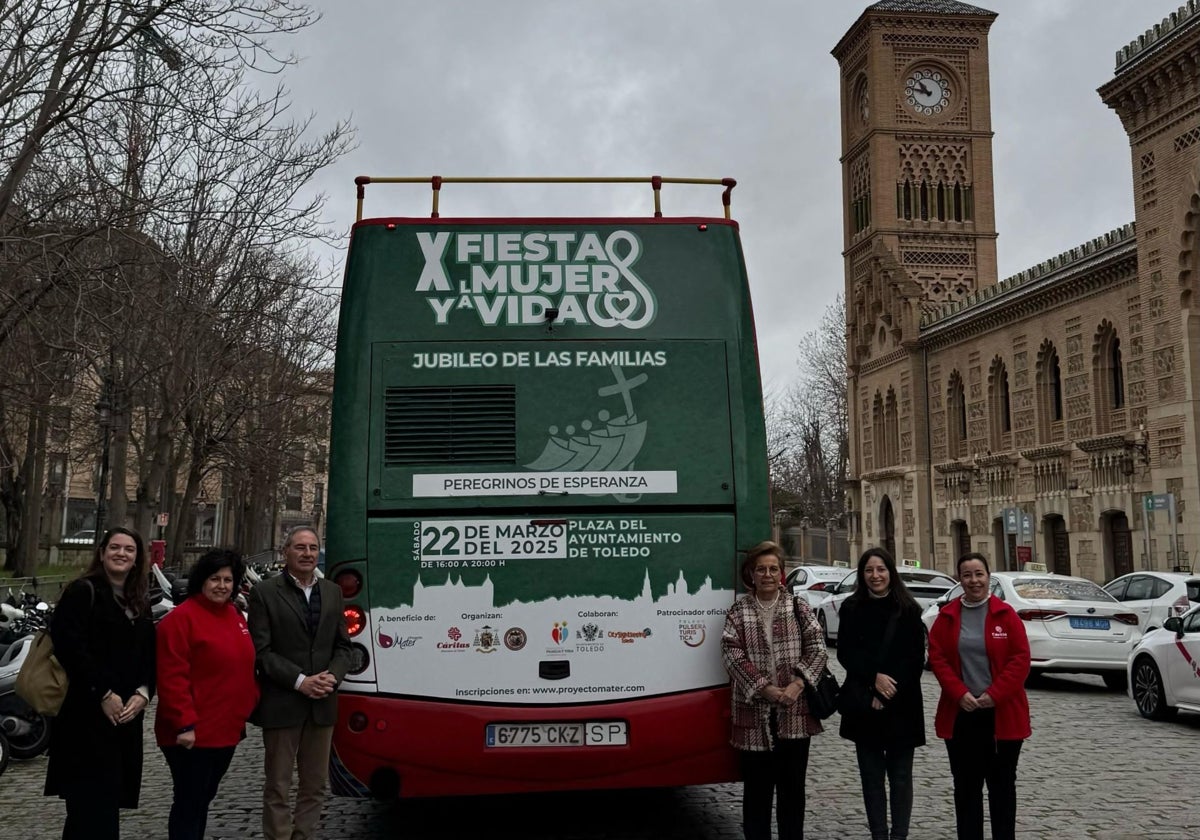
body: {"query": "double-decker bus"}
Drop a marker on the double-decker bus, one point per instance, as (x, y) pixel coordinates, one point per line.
(547, 451)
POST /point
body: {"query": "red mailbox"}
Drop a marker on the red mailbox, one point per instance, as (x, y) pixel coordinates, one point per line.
(158, 552)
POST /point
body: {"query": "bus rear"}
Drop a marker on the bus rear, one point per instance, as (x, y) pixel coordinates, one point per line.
(547, 451)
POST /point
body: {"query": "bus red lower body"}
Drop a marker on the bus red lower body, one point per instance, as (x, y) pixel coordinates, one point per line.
(415, 748)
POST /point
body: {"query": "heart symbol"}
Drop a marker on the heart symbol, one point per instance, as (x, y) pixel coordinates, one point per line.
(613, 304)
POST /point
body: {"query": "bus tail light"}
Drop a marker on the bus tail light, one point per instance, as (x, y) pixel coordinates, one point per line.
(350, 582)
(1039, 615)
(1126, 618)
(356, 619)
(359, 658)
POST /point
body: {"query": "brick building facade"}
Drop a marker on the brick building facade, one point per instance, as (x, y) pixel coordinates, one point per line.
(1066, 396)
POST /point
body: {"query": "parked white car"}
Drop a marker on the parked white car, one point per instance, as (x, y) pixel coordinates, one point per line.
(925, 585)
(1073, 625)
(159, 593)
(1164, 669)
(1156, 596)
(812, 583)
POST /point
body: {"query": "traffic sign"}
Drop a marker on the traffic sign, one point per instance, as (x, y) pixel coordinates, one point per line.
(1157, 501)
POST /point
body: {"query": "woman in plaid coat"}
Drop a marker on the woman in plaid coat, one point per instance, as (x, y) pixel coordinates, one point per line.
(772, 646)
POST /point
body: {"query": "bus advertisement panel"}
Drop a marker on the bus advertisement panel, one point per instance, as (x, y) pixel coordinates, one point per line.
(548, 450)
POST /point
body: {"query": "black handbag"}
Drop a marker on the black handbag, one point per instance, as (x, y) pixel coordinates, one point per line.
(823, 695)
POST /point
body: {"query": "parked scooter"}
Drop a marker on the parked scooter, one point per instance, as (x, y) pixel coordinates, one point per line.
(4, 753)
(26, 731)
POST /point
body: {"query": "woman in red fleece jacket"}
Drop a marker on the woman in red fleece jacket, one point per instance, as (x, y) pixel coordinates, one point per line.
(206, 688)
(979, 653)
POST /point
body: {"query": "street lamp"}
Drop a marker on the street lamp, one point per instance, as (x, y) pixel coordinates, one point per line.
(104, 419)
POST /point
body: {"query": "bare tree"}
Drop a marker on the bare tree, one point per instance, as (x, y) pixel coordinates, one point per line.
(151, 216)
(57, 58)
(808, 426)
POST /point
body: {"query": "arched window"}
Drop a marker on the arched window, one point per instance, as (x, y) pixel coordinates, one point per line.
(956, 418)
(1116, 374)
(999, 407)
(878, 436)
(891, 425)
(1108, 376)
(1049, 394)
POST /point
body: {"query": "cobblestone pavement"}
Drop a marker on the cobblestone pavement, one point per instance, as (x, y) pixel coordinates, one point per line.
(1093, 769)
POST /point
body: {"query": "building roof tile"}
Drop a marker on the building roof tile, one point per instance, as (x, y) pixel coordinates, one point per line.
(937, 7)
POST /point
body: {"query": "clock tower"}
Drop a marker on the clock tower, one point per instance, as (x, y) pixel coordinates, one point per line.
(919, 232)
(917, 146)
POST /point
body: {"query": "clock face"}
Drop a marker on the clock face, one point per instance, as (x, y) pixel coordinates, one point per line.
(863, 104)
(927, 91)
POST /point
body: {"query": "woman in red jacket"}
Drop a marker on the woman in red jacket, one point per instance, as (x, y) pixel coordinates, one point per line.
(980, 655)
(206, 688)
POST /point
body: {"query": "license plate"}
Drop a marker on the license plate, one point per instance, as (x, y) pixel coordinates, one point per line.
(1081, 623)
(607, 733)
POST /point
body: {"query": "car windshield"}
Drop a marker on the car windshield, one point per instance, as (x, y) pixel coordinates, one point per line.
(926, 577)
(1059, 589)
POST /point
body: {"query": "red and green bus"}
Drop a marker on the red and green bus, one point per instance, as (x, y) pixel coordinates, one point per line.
(547, 451)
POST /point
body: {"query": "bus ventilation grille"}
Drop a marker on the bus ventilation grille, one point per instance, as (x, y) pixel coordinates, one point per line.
(468, 424)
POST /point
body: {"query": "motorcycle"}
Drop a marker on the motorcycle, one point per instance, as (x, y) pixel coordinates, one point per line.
(27, 732)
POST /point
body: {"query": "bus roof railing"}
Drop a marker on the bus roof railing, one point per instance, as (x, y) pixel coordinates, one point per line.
(436, 182)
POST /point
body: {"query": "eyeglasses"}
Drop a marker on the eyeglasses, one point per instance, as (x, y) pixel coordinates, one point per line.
(767, 572)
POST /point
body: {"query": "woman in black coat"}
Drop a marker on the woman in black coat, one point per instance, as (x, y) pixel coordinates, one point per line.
(881, 644)
(104, 638)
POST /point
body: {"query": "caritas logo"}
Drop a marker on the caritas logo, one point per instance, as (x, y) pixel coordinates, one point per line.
(454, 634)
(560, 632)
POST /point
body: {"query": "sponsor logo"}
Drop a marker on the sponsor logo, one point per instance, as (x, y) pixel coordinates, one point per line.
(998, 632)
(515, 638)
(454, 635)
(560, 633)
(591, 638)
(396, 642)
(692, 633)
(628, 637)
(485, 639)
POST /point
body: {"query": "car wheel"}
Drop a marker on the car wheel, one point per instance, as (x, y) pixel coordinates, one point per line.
(4, 753)
(824, 629)
(1115, 680)
(1148, 691)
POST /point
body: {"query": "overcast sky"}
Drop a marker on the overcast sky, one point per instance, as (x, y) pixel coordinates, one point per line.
(702, 89)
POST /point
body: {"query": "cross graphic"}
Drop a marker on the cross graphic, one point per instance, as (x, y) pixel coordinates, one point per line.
(623, 387)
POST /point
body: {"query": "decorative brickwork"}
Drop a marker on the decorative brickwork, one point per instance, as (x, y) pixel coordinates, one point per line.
(1170, 446)
(1187, 139)
(1081, 514)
